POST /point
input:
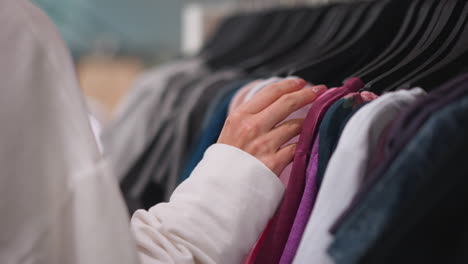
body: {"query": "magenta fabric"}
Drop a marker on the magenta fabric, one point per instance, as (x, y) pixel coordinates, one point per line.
(271, 248)
(305, 207)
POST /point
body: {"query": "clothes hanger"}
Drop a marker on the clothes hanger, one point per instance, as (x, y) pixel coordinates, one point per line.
(315, 68)
(432, 40)
(440, 53)
(353, 16)
(277, 25)
(451, 60)
(414, 44)
(234, 39)
(366, 43)
(300, 26)
(216, 39)
(332, 24)
(318, 16)
(221, 42)
(327, 16)
(404, 35)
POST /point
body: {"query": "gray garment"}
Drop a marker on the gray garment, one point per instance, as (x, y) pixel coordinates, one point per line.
(156, 163)
(148, 172)
(210, 86)
(136, 122)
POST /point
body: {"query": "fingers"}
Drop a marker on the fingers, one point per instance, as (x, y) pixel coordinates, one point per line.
(253, 128)
(283, 157)
(289, 103)
(270, 94)
(285, 132)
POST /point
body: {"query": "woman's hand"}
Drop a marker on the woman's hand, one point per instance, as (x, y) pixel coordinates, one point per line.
(253, 128)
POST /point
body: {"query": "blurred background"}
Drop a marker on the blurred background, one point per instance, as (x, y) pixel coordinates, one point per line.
(112, 41)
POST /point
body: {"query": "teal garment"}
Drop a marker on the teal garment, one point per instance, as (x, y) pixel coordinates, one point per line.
(212, 126)
(331, 127)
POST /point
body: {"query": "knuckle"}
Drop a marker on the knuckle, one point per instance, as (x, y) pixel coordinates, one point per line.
(276, 89)
(261, 144)
(235, 117)
(297, 125)
(250, 129)
(290, 101)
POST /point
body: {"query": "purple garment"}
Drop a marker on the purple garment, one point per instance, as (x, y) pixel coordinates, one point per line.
(305, 207)
(271, 248)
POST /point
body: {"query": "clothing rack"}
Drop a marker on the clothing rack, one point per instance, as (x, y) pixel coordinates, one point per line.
(200, 20)
(373, 55)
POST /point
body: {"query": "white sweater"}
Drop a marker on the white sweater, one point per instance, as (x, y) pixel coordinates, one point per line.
(59, 202)
(215, 216)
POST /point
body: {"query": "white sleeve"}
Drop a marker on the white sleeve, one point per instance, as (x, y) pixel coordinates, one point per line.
(59, 203)
(215, 216)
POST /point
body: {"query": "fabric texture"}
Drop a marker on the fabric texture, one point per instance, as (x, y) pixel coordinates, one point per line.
(333, 124)
(305, 207)
(60, 202)
(352, 155)
(136, 124)
(145, 184)
(193, 229)
(403, 130)
(431, 227)
(284, 176)
(212, 127)
(417, 167)
(330, 131)
(187, 120)
(271, 248)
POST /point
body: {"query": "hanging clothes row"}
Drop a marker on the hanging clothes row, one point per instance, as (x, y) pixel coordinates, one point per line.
(379, 161)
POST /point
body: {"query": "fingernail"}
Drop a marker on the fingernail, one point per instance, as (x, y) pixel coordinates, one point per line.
(300, 82)
(319, 88)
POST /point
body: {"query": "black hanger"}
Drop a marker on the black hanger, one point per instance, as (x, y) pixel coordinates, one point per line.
(432, 40)
(403, 35)
(307, 67)
(375, 33)
(299, 27)
(326, 22)
(318, 17)
(353, 17)
(236, 37)
(441, 51)
(275, 25)
(217, 38)
(331, 25)
(223, 40)
(454, 62)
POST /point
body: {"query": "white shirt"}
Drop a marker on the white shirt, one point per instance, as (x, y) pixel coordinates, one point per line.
(59, 202)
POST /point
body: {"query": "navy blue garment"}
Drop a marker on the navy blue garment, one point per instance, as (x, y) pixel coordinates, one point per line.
(331, 127)
(432, 156)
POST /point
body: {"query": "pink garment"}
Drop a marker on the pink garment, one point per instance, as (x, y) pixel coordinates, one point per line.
(284, 177)
(240, 95)
(273, 245)
(311, 187)
(308, 199)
